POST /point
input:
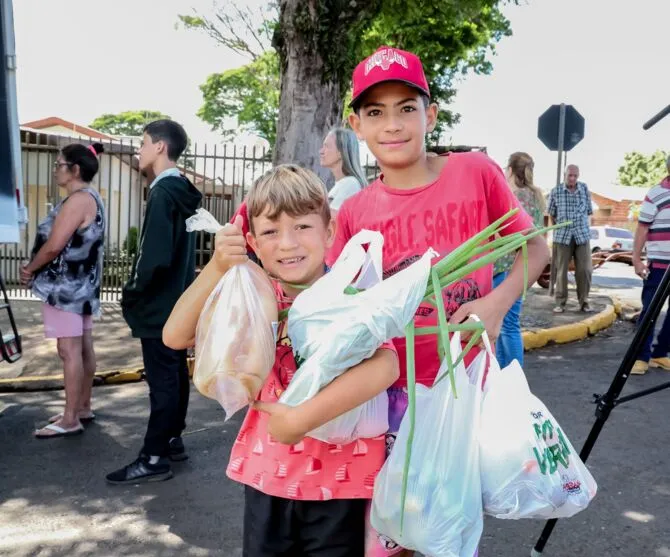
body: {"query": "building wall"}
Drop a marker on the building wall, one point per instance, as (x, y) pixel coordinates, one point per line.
(612, 212)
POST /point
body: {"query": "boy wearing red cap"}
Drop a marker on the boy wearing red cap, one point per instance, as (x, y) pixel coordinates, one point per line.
(422, 202)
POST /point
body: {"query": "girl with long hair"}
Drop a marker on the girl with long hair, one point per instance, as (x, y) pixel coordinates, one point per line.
(520, 166)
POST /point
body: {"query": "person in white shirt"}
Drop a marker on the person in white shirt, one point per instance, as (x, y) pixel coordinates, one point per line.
(339, 154)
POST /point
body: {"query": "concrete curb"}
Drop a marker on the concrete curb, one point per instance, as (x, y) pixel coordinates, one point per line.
(531, 340)
(55, 382)
(574, 331)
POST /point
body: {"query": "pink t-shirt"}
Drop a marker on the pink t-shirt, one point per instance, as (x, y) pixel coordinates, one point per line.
(311, 470)
(470, 193)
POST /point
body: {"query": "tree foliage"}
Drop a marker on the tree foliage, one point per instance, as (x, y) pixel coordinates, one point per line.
(643, 170)
(249, 93)
(130, 123)
(452, 37)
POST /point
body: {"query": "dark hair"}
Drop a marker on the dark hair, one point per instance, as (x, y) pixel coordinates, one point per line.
(424, 98)
(172, 133)
(83, 157)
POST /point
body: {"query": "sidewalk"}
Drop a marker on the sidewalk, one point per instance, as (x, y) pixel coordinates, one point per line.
(117, 351)
(115, 348)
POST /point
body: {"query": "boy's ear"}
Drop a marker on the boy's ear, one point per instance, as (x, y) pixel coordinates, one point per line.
(355, 123)
(331, 230)
(161, 147)
(431, 117)
(251, 240)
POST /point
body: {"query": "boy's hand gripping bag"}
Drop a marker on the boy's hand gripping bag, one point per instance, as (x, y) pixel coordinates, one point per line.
(332, 331)
(529, 467)
(443, 514)
(235, 335)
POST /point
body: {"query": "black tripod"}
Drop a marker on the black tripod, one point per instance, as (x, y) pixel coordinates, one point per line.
(607, 402)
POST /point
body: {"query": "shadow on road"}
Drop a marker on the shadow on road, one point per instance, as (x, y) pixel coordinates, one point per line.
(55, 502)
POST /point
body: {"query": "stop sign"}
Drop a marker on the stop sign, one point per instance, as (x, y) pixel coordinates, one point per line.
(548, 127)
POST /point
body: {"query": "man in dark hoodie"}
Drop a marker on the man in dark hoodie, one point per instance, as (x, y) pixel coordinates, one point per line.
(164, 267)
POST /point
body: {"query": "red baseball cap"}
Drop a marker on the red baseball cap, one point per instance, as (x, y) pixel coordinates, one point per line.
(388, 64)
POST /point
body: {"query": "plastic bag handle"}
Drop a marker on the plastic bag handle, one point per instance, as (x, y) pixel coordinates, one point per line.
(493, 361)
(203, 220)
(494, 365)
(485, 337)
(354, 260)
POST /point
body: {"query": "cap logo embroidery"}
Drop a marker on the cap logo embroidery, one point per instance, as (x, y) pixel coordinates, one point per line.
(384, 59)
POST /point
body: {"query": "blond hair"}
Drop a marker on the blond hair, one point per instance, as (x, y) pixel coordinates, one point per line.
(289, 189)
(521, 164)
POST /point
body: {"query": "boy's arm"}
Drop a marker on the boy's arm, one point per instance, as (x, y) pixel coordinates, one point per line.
(356, 386)
(155, 250)
(179, 331)
(493, 307)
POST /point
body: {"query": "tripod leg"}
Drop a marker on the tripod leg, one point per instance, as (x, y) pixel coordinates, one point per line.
(607, 401)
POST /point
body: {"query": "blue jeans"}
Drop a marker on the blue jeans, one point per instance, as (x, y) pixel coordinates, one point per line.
(509, 345)
(662, 345)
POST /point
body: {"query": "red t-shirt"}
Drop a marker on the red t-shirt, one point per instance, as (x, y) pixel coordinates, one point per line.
(470, 193)
(311, 470)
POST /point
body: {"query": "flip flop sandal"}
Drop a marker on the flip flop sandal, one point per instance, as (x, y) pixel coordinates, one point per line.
(59, 432)
(87, 419)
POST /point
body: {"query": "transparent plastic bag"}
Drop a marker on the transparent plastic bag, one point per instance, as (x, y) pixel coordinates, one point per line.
(235, 336)
(332, 331)
(529, 467)
(443, 508)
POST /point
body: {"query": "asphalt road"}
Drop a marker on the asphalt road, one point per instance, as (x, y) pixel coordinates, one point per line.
(54, 501)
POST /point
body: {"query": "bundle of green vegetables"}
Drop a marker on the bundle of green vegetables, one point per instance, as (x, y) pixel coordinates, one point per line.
(477, 252)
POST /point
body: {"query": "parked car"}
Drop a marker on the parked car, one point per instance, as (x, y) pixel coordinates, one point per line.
(611, 239)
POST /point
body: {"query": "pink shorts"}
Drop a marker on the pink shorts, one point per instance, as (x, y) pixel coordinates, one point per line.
(64, 324)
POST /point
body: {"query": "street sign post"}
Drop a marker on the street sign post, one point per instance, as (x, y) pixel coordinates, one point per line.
(560, 128)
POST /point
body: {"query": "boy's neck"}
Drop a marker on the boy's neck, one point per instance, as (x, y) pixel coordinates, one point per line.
(161, 165)
(293, 292)
(423, 172)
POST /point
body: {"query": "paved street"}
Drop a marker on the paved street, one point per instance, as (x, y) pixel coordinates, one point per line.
(617, 279)
(54, 501)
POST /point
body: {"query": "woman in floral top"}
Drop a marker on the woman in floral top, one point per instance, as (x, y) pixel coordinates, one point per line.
(520, 178)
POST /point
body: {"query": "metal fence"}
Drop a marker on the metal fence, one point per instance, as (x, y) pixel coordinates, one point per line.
(223, 173)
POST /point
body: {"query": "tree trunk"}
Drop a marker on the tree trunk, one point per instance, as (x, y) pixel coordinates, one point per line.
(310, 105)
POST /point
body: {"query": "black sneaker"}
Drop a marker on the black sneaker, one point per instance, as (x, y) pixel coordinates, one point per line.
(140, 471)
(177, 451)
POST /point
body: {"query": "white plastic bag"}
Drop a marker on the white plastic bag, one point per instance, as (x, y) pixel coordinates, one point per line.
(235, 336)
(443, 509)
(529, 467)
(331, 331)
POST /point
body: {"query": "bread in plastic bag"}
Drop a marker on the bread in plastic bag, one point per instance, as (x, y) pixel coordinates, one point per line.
(332, 331)
(235, 336)
(443, 508)
(529, 467)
